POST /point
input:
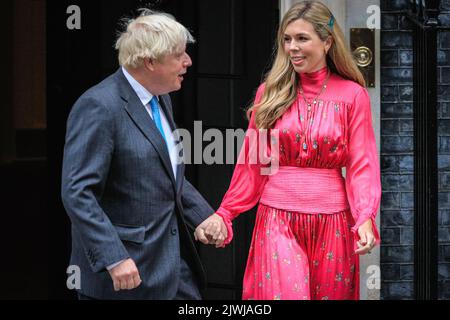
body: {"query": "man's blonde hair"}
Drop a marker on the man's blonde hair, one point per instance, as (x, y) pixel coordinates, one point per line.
(151, 35)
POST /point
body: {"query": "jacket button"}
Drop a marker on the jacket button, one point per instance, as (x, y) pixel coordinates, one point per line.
(174, 231)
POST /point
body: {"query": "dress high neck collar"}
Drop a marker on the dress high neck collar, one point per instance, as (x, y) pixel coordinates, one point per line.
(312, 82)
(315, 77)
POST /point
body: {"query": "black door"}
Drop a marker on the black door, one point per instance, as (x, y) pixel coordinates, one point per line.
(235, 41)
(233, 50)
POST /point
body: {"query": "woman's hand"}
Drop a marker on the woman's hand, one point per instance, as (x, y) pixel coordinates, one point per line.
(212, 231)
(366, 238)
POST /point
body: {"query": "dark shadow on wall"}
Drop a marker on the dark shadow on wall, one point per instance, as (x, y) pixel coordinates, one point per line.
(23, 163)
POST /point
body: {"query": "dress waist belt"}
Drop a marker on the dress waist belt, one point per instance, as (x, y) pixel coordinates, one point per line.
(307, 190)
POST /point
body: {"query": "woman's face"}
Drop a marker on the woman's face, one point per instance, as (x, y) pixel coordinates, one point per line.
(304, 47)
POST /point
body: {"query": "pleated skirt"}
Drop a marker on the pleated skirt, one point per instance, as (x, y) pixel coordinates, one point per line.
(301, 256)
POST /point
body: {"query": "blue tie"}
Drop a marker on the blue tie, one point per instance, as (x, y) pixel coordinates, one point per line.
(156, 116)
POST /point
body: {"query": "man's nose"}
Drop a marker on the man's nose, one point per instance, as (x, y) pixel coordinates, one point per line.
(187, 61)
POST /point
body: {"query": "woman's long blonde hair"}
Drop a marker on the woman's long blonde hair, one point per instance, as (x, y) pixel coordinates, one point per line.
(281, 82)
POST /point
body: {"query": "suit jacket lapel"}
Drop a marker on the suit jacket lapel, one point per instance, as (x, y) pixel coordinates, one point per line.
(145, 123)
(164, 101)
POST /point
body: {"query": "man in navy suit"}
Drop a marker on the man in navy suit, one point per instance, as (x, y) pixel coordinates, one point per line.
(123, 185)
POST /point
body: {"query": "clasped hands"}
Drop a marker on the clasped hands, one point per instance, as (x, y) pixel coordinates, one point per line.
(212, 231)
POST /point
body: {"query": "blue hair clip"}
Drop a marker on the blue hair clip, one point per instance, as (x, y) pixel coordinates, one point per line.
(331, 22)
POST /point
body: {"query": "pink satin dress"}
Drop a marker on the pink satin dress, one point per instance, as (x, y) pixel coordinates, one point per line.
(308, 215)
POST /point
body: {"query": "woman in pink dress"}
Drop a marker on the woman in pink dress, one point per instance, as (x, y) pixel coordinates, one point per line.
(311, 224)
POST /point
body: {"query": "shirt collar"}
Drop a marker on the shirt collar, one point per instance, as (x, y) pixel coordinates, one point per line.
(141, 92)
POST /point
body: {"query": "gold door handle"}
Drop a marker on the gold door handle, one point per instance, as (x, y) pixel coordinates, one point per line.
(363, 56)
(362, 44)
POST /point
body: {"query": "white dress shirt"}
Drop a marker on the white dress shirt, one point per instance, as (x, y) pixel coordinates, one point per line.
(145, 98)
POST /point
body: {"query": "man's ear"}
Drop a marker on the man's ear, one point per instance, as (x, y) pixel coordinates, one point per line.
(149, 64)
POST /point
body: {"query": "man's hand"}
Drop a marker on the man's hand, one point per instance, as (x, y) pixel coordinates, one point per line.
(212, 231)
(125, 276)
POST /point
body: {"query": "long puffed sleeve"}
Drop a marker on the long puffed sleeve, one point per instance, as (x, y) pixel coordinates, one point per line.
(363, 183)
(247, 181)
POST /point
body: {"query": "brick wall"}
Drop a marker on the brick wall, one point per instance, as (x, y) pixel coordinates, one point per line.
(397, 164)
(444, 151)
(397, 207)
